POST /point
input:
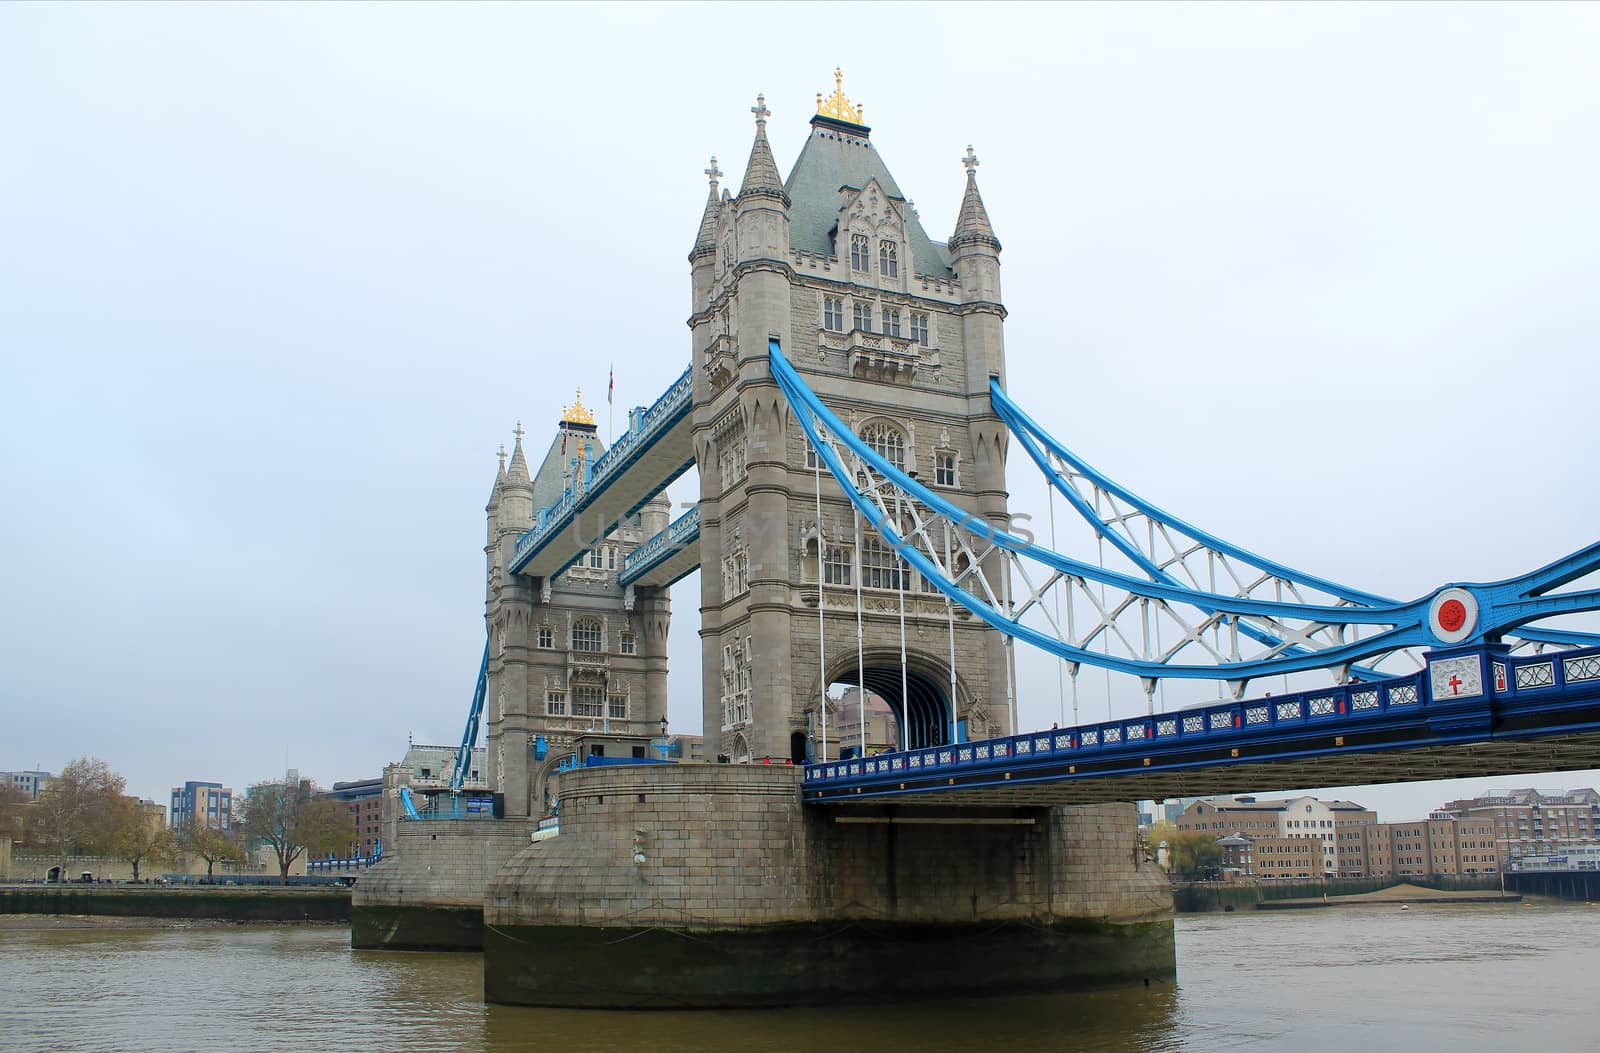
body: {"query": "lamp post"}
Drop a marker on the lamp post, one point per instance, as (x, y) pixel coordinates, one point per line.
(665, 745)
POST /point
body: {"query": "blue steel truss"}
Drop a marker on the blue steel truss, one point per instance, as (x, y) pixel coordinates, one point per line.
(971, 561)
(469, 737)
(1120, 517)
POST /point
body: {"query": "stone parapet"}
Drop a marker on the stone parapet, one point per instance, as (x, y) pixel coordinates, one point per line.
(427, 894)
(725, 890)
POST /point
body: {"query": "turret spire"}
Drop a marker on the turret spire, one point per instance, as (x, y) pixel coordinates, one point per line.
(761, 173)
(972, 225)
(517, 473)
(705, 241)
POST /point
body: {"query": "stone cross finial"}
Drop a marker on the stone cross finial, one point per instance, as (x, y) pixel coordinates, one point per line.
(517, 431)
(970, 161)
(714, 172)
(502, 456)
(760, 109)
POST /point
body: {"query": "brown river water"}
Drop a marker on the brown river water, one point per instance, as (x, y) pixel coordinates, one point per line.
(1352, 979)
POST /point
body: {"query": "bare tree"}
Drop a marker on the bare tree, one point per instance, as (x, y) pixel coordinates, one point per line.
(78, 811)
(139, 836)
(208, 843)
(292, 819)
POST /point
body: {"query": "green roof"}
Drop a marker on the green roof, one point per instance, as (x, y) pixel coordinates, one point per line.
(834, 157)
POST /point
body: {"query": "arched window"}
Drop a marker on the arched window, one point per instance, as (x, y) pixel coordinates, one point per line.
(887, 440)
(586, 635)
(888, 259)
(859, 260)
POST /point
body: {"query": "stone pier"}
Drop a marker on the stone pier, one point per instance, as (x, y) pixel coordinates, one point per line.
(427, 895)
(710, 885)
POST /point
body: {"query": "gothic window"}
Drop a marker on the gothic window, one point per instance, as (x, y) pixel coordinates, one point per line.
(617, 707)
(731, 459)
(836, 561)
(863, 316)
(887, 440)
(502, 638)
(587, 700)
(944, 467)
(555, 703)
(888, 259)
(812, 460)
(858, 252)
(629, 643)
(833, 313)
(547, 637)
(880, 566)
(586, 635)
(891, 322)
(597, 559)
(919, 328)
(736, 572)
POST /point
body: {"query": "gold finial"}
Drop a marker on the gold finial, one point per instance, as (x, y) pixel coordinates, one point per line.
(836, 105)
(577, 413)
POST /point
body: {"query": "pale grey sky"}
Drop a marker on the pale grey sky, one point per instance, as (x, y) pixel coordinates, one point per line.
(276, 281)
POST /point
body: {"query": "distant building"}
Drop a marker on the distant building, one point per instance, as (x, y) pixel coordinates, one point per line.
(844, 732)
(154, 815)
(209, 802)
(1534, 822)
(364, 799)
(432, 766)
(1297, 819)
(1442, 844)
(31, 783)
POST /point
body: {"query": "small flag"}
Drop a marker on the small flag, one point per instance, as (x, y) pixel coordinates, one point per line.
(563, 440)
(611, 385)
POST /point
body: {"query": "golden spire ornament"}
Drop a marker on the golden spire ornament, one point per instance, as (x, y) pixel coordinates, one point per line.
(836, 105)
(577, 413)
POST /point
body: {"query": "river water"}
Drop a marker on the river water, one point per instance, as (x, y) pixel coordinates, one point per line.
(1352, 979)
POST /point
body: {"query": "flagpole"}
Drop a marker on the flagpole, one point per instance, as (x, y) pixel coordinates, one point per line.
(611, 405)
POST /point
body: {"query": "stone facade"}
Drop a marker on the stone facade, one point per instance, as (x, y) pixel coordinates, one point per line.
(569, 656)
(900, 336)
(733, 893)
(428, 893)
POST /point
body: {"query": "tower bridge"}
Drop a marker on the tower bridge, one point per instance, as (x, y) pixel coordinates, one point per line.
(846, 410)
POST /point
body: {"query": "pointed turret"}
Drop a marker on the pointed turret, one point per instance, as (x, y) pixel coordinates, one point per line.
(705, 243)
(499, 481)
(517, 474)
(972, 225)
(761, 173)
(516, 489)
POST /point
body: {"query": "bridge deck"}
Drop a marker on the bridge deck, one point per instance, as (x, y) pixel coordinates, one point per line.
(1535, 714)
(656, 449)
(667, 557)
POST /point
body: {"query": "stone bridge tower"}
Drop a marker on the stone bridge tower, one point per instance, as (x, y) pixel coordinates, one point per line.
(575, 661)
(899, 335)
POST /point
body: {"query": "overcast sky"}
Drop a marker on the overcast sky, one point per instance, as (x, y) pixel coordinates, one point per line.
(276, 281)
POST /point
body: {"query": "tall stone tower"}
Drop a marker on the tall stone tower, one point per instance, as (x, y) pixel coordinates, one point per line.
(899, 335)
(576, 657)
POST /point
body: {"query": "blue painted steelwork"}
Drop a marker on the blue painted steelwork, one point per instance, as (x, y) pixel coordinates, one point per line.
(469, 736)
(1522, 698)
(671, 409)
(460, 806)
(356, 862)
(682, 533)
(1040, 444)
(1502, 606)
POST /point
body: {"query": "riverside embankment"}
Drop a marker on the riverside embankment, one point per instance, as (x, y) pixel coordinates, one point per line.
(170, 902)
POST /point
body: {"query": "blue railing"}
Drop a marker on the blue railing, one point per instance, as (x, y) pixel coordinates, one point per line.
(1515, 683)
(673, 405)
(448, 806)
(683, 531)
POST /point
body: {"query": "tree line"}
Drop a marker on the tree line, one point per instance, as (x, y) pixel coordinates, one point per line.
(85, 811)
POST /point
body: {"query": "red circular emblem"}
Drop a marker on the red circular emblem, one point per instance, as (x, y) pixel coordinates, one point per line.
(1452, 615)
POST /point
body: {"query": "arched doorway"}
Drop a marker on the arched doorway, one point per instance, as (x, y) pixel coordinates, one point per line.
(921, 710)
